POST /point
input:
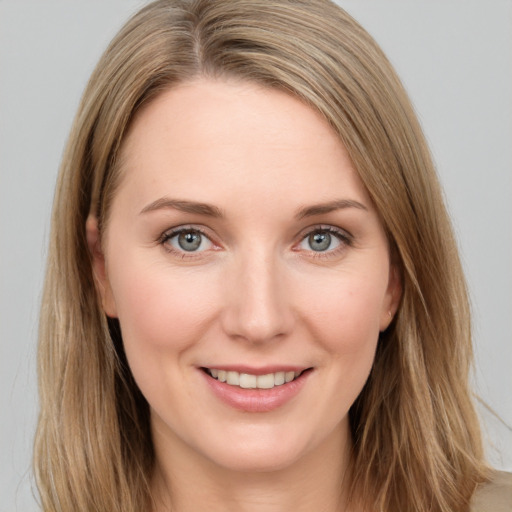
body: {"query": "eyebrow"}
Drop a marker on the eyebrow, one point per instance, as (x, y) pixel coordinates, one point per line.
(213, 211)
(184, 206)
(331, 206)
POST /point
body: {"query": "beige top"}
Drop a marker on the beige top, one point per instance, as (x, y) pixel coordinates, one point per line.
(494, 496)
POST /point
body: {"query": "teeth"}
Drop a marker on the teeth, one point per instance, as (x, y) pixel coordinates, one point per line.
(248, 381)
(265, 381)
(233, 378)
(279, 378)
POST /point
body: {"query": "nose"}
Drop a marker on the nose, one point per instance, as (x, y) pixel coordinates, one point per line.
(257, 307)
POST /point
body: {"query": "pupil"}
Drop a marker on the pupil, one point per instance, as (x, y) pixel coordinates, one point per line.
(189, 241)
(320, 241)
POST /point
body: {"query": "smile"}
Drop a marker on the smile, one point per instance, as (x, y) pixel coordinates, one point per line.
(250, 381)
(256, 390)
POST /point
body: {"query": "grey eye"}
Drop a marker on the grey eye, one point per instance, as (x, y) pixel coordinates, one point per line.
(189, 240)
(320, 241)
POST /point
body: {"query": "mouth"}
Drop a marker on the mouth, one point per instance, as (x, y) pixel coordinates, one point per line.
(256, 390)
(252, 381)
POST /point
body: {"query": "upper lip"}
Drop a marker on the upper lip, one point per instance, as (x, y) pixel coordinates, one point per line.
(260, 370)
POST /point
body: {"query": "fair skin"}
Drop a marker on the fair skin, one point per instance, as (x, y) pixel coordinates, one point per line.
(241, 240)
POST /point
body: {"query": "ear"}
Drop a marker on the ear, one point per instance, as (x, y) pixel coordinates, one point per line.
(99, 268)
(392, 297)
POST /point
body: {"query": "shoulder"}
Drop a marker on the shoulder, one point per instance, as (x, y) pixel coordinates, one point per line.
(494, 495)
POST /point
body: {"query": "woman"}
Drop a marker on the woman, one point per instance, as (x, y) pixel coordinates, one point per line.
(253, 298)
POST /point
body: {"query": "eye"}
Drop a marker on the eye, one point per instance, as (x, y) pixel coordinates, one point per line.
(324, 240)
(187, 240)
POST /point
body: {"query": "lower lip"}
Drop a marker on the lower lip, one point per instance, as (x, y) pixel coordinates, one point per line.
(256, 400)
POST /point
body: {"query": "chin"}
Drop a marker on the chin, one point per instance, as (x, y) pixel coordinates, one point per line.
(262, 451)
(262, 461)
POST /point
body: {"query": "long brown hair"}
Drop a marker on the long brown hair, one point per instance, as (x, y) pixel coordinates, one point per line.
(416, 436)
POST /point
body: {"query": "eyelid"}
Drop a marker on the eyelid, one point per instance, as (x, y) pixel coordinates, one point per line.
(174, 231)
(169, 233)
(343, 233)
(346, 239)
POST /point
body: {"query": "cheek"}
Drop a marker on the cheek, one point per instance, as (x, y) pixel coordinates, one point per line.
(160, 309)
(344, 320)
(346, 312)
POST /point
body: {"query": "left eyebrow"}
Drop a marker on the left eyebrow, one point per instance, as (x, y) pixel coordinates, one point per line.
(331, 206)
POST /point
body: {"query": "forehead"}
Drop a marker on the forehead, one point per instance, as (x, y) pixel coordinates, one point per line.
(221, 136)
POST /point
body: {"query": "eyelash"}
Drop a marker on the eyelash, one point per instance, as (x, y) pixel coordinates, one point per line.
(345, 239)
(168, 235)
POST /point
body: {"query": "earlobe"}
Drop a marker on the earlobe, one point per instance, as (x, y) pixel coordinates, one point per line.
(393, 296)
(99, 270)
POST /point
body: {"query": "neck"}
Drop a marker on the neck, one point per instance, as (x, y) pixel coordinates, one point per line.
(186, 482)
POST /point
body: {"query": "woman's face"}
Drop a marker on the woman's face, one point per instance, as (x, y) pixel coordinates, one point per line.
(242, 245)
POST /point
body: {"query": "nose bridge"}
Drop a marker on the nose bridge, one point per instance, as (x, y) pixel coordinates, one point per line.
(258, 309)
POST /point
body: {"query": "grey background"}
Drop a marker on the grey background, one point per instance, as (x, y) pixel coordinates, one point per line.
(455, 57)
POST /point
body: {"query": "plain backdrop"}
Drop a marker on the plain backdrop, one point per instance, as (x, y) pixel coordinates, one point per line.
(455, 58)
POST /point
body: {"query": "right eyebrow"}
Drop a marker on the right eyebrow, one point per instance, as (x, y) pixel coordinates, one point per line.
(183, 206)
